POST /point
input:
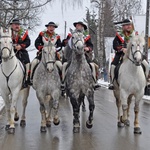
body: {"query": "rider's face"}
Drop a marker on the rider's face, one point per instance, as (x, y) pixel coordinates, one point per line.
(15, 27)
(79, 27)
(127, 27)
(51, 29)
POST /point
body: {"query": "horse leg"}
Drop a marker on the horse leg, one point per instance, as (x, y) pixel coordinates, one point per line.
(16, 118)
(137, 129)
(7, 108)
(43, 116)
(124, 97)
(128, 110)
(56, 119)
(76, 108)
(83, 104)
(25, 94)
(41, 99)
(118, 104)
(12, 111)
(48, 117)
(90, 98)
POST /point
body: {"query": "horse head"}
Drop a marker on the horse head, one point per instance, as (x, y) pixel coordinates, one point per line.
(48, 55)
(6, 44)
(136, 49)
(77, 41)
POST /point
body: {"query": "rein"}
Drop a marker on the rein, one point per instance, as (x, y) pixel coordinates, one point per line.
(133, 56)
(50, 61)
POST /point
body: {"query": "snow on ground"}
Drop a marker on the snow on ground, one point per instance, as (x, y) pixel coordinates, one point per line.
(104, 84)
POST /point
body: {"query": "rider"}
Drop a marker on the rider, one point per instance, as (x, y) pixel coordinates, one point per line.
(21, 41)
(80, 26)
(48, 34)
(120, 46)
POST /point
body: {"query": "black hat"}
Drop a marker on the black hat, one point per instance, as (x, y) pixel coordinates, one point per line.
(51, 24)
(126, 21)
(15, 21)
(80, 22)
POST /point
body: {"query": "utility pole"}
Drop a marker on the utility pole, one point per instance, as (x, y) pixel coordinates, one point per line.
(147, 29)
(65, 29)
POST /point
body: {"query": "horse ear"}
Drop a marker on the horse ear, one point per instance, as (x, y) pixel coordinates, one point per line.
(71, 30)
(142, 34)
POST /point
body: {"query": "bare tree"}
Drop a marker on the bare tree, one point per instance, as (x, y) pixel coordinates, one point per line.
(125, 8)
(26, 10)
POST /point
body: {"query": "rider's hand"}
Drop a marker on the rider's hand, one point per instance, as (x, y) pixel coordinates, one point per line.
(86, 49)
(124, 50)
(18, 47)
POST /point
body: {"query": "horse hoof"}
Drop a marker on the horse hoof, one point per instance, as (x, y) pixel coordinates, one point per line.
(48, 123)
(83, 109)
(76, 129)
(11, 130)
(43, 129)
(127, 123)
(22, 123)
(137, 130)
(7, 127)
(89, 125)
(120, 125)
(16, 118)
(56, 122)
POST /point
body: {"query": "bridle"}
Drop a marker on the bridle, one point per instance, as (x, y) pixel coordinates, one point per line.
(50, 61)
(133, 55)
(78, 40)
(10, 57)
(10, 50)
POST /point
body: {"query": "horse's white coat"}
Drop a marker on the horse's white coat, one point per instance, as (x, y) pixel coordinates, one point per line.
(11, 67)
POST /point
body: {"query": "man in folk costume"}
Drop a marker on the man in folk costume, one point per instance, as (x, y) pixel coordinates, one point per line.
(21, 41)
(120, 46)
(48, 34)
(80, 26)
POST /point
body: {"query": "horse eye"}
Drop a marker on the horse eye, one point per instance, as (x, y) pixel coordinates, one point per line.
(132, 45)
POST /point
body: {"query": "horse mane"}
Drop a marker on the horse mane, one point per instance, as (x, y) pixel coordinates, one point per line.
(137, 39)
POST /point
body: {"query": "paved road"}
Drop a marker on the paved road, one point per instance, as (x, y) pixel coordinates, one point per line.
(103, 136)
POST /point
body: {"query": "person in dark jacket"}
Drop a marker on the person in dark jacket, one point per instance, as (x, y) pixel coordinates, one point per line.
(48, 34)
(120, 42)
(21, 41)
(80, 26)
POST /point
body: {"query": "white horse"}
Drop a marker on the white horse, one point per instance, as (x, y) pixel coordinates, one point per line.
(46, 82)
(131, 82)
(11, 77)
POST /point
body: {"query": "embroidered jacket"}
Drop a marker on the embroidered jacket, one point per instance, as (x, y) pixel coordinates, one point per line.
(87, 40)
(53, 37)
(121, 40)
(21, 38)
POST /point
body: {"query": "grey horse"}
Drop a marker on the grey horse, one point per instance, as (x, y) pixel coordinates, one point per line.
(79, 81)
(46, 82)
